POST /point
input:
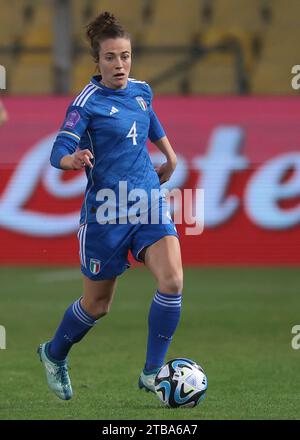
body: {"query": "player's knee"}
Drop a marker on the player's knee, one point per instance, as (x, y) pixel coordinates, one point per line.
(103, 310)
(100, 309)
(172, 284)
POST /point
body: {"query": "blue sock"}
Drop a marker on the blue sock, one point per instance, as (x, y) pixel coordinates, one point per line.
(163, 318)
(74, 325)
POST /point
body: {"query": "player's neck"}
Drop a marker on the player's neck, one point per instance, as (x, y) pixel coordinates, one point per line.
(112, 88)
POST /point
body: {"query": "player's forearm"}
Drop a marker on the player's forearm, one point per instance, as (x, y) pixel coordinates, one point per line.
(61, 159)
(61, 155)
(165, 147)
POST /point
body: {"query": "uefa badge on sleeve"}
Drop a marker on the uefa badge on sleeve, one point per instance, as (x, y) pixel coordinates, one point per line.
(72, 119)
(94, 266)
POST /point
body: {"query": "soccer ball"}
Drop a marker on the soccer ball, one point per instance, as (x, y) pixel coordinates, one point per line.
(181, 383)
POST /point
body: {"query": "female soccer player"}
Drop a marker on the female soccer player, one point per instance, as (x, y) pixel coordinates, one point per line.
(105, 131)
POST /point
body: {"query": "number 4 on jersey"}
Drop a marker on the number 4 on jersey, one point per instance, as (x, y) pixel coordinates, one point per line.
(133, 134)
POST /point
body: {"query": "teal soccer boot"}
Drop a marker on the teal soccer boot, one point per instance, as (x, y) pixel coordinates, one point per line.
(147, 379)
(57, 374)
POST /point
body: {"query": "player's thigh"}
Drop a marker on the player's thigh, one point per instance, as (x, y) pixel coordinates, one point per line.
(163, 259)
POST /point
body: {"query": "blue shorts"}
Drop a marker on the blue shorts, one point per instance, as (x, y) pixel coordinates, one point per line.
(103, 248)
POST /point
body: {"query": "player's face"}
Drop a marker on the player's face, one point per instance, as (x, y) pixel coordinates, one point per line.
(115, 62)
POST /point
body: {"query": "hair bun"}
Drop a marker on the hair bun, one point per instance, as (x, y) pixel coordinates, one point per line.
(104, 26)
(107, 20)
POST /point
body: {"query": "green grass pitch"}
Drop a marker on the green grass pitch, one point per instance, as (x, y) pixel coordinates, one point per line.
(236, 323)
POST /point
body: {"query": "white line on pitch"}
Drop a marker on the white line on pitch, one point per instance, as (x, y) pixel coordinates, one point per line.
(59, 275)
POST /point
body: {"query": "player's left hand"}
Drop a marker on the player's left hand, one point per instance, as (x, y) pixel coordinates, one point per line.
(165, 171)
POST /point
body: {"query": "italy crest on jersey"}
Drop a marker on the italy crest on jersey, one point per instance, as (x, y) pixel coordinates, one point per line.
(142, 103)
(94, 266)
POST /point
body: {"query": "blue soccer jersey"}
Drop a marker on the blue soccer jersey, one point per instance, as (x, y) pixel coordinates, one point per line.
(114, 125)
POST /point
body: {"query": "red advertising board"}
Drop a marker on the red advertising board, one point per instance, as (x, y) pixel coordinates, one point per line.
(244, 153)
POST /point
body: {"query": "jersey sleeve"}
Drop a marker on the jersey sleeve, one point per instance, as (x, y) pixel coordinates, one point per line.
(156, 130)
(70, 134)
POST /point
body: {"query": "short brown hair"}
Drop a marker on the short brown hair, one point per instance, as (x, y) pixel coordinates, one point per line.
(101, 28)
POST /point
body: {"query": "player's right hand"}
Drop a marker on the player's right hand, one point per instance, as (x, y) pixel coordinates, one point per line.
(79, 159)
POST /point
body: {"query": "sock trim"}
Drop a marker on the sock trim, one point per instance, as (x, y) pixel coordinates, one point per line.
(169, 295)
(167, 301)
(81, 314)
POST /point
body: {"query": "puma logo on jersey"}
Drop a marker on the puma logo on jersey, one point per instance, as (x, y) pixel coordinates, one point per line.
(113, 110)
